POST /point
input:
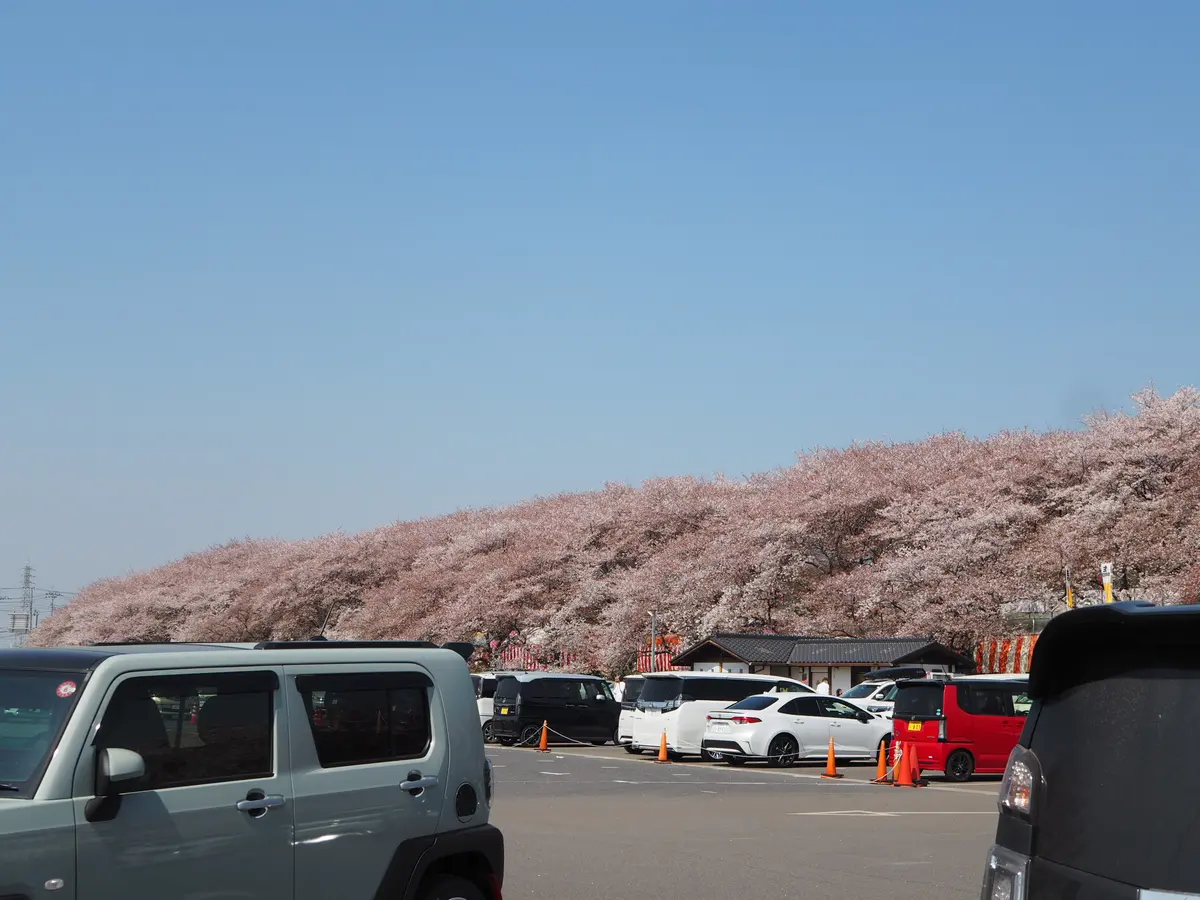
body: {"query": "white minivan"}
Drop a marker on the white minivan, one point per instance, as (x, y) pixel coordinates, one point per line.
(678, 703)
(485, 690)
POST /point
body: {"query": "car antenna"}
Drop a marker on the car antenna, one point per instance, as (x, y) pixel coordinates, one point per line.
(320, 636)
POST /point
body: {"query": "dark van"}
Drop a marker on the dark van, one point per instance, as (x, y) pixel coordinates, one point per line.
(576, 707)
(1099, 800)
(963, 726)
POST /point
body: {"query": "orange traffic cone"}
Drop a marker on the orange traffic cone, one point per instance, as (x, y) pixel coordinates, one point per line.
(904, 768)
(918, 781)
(544, 746)
(662, 749)
(831, 764)
(881, 770)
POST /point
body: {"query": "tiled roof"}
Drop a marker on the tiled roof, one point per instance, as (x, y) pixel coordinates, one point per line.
(764, 649)
(854, 651)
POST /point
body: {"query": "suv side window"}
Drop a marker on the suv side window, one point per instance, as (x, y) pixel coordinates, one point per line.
(986, 700)
(368, 717)
(194, 729)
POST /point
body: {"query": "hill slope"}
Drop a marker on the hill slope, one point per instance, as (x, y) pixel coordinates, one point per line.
(921, 538)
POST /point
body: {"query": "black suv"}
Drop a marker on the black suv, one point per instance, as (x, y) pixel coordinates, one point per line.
(576, 708)
(1101, 798)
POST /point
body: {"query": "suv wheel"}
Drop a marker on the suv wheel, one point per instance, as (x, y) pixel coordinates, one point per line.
(489, 736)
(634, 749)
(448, 887)
(531, 735)
(960, 765)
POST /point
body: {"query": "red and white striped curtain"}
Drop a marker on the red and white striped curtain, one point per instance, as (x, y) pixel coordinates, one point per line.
(532, 659)
(1005, 656)
(662, 661)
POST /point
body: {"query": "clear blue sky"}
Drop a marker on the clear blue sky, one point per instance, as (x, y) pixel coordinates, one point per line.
(278, 269)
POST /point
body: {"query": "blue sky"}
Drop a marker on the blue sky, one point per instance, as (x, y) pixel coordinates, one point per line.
(274, 269)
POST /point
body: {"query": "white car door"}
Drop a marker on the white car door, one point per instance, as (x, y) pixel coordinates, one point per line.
(851, 736)
(808, 724)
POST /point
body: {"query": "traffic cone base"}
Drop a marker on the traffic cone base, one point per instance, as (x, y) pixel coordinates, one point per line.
(881, 770)
(663, 756)
(831, 764)
(544, 744)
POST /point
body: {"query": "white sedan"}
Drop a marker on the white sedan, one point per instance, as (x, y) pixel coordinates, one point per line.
(784, 728)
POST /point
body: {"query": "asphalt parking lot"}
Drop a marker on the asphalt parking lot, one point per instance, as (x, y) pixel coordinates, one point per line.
(597, 822)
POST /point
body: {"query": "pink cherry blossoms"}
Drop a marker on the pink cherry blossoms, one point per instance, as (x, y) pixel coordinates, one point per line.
(936, 537)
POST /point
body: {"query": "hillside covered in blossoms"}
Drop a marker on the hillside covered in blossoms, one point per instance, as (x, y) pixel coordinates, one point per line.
(934, 537)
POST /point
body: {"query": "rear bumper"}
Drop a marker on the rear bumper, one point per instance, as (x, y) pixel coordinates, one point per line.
(727, 747)
(507, 726)
(931, 754)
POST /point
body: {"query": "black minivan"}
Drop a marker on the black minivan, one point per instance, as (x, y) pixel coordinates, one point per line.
(1099, 801)
(576, 707)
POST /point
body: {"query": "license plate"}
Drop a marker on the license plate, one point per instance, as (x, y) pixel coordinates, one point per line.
(914, 726)
(504, 710)
(720, 726)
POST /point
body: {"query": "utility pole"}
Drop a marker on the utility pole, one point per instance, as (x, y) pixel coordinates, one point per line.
(1070, 596)
(1106, 575)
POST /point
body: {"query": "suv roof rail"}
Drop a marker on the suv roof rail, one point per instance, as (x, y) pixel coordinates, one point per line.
(463, 648)
(326, 644)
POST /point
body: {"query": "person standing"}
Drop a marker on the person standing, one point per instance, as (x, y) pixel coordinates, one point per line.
(823, 686)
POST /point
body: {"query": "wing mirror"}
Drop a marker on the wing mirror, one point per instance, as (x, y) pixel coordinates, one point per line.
(114, 767)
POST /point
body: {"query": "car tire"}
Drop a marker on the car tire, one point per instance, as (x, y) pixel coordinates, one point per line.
(450, 887)
(710, 756)
(530, 735)
(736, 760)
(783, 751)
(489, 735)
(960, 766)
(633, 749)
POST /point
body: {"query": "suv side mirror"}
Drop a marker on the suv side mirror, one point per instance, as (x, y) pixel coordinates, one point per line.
(114, 767)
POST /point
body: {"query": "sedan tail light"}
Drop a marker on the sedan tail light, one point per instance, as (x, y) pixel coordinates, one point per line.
(745, 720)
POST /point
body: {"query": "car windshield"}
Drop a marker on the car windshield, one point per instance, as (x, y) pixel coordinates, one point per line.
(33, 708)
(919, 701)
(660, 692)
(859, 691)
(633, 690)
(757, 702)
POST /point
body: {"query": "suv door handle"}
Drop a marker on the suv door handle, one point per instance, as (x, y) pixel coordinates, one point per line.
(415, 783)
(260, 804)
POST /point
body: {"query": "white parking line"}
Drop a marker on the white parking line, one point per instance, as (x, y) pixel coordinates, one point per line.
(554, 773)
(914, 812)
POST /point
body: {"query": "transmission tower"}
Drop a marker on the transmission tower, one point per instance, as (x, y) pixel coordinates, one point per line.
(23, 622)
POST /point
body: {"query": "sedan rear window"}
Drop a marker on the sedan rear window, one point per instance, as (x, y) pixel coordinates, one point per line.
(757, 702)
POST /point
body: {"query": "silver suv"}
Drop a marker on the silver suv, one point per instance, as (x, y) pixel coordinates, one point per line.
(274, 771)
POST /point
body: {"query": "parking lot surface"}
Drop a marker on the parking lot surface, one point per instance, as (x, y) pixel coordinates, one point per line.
(597, 822)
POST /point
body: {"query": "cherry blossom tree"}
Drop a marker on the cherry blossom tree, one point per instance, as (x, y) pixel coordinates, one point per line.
(932, 537)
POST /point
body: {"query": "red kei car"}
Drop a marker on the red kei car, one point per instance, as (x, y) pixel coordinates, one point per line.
(962, 726)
